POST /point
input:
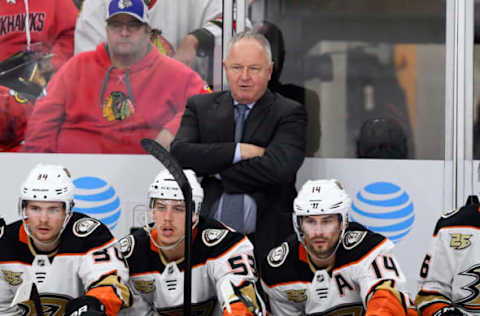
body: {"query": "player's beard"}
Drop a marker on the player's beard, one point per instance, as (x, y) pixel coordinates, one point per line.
(324, 251)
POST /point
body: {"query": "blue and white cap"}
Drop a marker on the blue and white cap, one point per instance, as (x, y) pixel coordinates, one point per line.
(135, 8)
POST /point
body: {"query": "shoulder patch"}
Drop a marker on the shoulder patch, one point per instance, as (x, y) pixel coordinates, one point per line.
(353, 238)
(449, 213)
(212, 237)
(12, 278)
(276, 257)
(85, 226)
(126, 246)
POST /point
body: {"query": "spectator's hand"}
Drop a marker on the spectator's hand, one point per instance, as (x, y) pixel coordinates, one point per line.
(165, 138)
(187, 50)
(248, 151)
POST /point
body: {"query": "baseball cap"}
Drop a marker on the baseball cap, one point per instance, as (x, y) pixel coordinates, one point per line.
(135, 8)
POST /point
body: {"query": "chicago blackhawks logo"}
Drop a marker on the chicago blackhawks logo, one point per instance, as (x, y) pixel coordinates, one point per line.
(12, 278)
(122, 4)
(117, 106)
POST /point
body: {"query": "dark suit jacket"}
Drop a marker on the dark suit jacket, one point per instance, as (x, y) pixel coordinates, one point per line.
(205, 143)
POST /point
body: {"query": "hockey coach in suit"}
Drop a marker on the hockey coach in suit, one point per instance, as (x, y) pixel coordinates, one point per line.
(248, 144)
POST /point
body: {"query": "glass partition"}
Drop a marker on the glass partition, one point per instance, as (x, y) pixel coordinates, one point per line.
(370, 73)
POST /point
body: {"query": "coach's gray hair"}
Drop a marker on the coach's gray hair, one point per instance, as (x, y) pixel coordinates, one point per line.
(262, 40)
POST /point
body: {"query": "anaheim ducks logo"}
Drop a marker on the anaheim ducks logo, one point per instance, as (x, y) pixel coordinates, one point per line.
(296, 296)
(117, 106)
(85, 226)
(126, 246)
(144, 286)
(460, 241)
(52, 305)
(353, 238)
(472, 301)
(212, 237)
(12, 278)
(277, 256)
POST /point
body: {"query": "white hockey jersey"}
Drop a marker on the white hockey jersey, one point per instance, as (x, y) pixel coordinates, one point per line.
(221, 259)
(85, 257)
(174, 18)
(450, 272)
(363, 263)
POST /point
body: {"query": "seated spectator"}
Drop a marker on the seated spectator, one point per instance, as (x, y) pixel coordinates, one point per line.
(28, 57)
(107, 100)
(188, 28)
(382, 138)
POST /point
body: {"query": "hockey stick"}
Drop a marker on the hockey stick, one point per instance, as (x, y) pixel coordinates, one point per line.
(28, 292)
(167, 160)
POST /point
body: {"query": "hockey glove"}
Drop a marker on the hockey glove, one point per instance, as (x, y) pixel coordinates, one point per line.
(85, 306)
(449, 311)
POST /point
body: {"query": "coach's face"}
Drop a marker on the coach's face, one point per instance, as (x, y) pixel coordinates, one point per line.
(248, 70)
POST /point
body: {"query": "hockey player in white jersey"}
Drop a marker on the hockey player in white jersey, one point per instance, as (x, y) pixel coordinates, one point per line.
(331, 266)
(69, 256)
(450, 273)
(223, 266)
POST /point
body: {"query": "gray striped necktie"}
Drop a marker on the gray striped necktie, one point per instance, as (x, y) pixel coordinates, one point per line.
(232, 207)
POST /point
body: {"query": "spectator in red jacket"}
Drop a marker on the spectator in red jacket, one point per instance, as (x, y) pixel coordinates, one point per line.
(107, 100)
(37, 38)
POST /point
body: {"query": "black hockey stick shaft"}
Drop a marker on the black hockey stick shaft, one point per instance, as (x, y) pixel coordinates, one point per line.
(167, 160)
